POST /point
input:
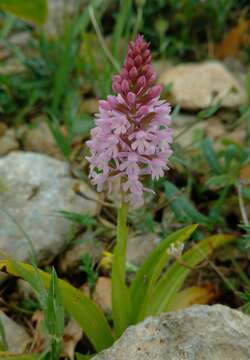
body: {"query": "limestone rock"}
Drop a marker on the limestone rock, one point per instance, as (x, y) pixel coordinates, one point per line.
(38, 186)
(198, 86)
(198, 333)
(40, 139)
(16, 337)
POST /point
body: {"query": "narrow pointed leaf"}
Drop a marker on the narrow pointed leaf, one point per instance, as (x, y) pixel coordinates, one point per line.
(85, 312)
(12, 356)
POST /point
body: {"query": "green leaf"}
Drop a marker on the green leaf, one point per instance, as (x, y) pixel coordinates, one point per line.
(82, 219)
(169, 285)
(151, 269)
(11, 356)
(85, 312)
(204, 114)
(182, 206)
(34, 10)
(211, 156)
(83, 357)
(54, 316)
(230, 154)
(63, 141)
(219, 181)
(3, 342)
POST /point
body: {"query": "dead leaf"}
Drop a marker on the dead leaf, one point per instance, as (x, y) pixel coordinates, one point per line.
(102, 293)
(39, 340)
(245, 173)
(237, 37)
(195, 295)
(72, 335)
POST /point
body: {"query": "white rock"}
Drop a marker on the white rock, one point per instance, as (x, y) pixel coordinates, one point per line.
(16, 337)
(197, 333)
(38, 186)
(198, 85)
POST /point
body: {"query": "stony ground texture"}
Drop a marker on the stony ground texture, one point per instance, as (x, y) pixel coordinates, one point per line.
(198, 333)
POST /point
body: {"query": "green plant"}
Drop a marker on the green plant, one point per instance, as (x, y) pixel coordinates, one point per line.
(87, 266)
(152, 291)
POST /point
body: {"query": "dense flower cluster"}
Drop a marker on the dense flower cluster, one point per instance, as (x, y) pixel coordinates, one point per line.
(132, 136)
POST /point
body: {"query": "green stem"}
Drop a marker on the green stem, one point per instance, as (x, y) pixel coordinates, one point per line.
(122, 238)
(121, 304)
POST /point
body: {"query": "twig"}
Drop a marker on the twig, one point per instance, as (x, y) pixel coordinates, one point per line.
(241, 204)
(101, 39)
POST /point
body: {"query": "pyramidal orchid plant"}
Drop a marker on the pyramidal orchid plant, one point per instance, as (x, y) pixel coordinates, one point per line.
(131, 140)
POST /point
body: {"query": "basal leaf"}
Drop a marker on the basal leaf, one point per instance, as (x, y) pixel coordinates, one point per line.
(169, 285)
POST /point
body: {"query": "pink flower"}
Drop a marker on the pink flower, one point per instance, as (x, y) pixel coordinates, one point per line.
(132, 136)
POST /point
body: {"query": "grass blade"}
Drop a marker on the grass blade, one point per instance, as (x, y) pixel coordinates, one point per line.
(121, 22)
(211, 156)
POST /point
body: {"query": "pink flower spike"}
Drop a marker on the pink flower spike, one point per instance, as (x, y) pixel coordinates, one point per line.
(131, 98)
(104, 105)
(132, 136)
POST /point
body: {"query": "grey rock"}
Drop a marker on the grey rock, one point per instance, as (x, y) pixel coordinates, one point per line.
(58, 11)
(36, 187)
(16, 336)
(197, 333)
(140, 246)
(199, 85)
